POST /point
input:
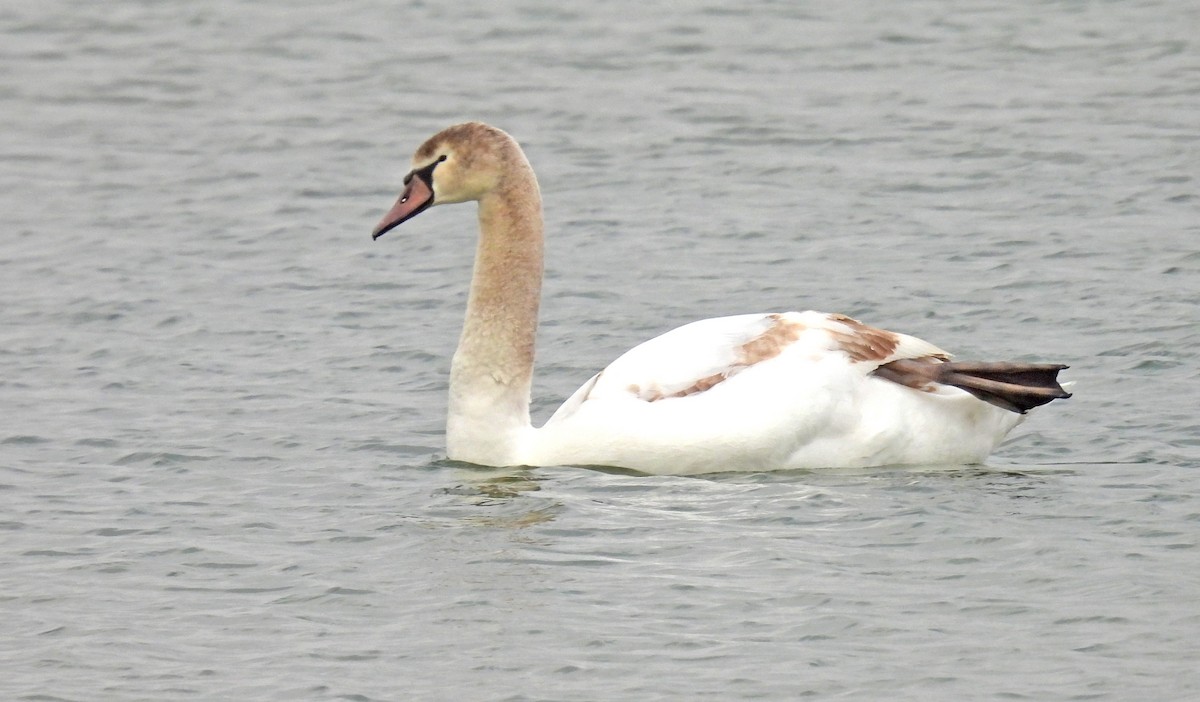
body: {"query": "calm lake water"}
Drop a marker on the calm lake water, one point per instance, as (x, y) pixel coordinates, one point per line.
(221, 449)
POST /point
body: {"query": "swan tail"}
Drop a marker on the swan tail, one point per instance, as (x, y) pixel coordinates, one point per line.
(1016, 387)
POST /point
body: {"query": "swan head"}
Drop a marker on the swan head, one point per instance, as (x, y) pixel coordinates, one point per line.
(458, 164)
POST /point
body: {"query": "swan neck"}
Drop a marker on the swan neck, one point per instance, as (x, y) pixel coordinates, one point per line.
(492, 372)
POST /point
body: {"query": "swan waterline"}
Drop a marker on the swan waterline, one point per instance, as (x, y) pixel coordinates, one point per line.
(751, 392)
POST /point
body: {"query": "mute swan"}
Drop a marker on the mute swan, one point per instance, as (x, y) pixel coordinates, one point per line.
(743, 393)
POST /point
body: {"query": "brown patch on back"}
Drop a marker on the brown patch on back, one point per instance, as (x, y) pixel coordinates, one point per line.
(781, 334)
(770, 343)
(697, 387)
(861, 342)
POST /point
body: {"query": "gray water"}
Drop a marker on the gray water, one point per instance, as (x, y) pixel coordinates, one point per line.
(221, 451)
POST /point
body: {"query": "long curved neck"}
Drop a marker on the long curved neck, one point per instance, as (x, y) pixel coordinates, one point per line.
(492, 372)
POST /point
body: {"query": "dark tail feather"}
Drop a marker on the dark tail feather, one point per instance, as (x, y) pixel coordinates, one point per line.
(1017, 387)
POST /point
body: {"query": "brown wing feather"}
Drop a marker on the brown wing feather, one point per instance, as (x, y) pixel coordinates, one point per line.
(1017, 387)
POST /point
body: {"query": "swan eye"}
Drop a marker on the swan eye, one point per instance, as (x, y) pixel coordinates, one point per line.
(441, 158)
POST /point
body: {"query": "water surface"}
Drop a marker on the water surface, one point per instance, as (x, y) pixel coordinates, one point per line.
(221, 455)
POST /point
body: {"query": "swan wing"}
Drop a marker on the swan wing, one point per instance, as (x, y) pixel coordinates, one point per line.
(694, 358)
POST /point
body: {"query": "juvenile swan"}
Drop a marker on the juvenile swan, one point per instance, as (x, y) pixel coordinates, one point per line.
(744, 393)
